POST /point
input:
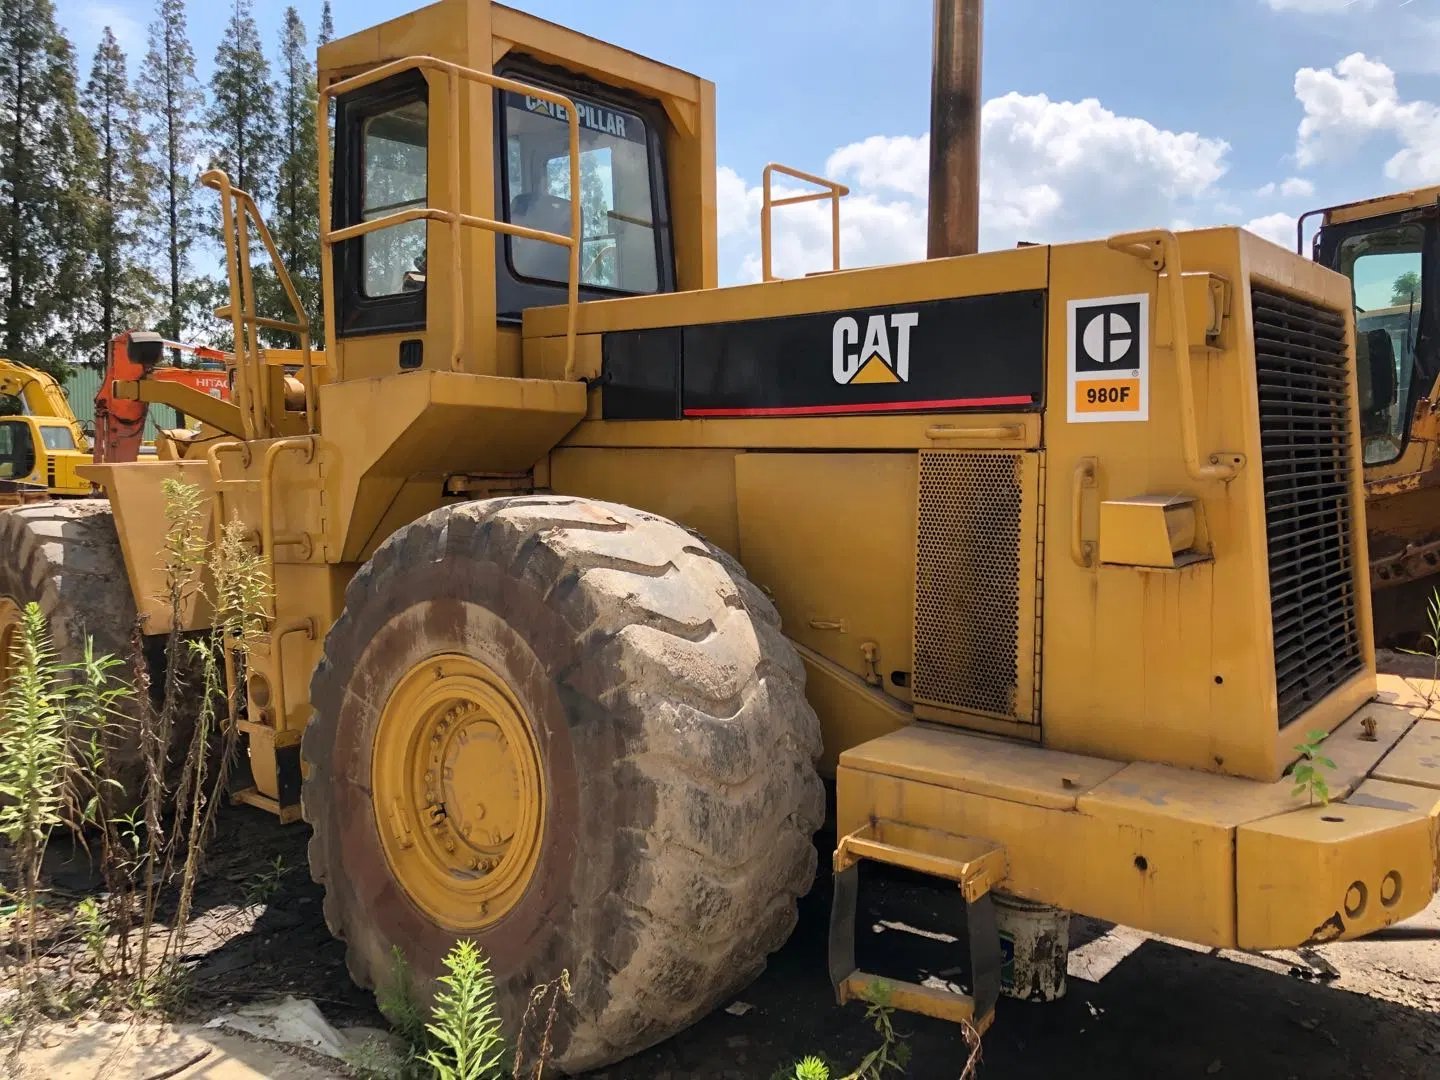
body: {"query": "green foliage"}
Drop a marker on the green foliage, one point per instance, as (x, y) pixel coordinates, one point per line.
(46, 155)
(468, 1041)
(1405, 289)
(170, 99)
(1432, 612)
(295, 222)
(893, 1053)
(52, 723)
(262, 887)
(397, 1002)
(812, 1068)
(327, 25)
(1306, 773)
(122, 288)
(241, 114)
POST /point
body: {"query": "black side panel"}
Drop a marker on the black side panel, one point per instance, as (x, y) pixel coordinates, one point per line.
(973, 353)
(640, 373)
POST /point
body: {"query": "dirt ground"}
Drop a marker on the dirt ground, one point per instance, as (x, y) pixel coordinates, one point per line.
(1136, 1005)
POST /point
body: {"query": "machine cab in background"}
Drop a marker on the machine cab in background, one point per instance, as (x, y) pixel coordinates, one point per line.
(414, 143)
(1389, 260)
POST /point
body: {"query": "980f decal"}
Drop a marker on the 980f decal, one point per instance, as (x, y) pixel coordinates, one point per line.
(1108, 359)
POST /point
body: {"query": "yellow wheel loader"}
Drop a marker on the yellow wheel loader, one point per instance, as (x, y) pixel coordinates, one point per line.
(589, 575)
(1386, 247)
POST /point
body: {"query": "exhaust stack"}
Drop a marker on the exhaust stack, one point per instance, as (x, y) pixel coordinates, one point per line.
(955, 130)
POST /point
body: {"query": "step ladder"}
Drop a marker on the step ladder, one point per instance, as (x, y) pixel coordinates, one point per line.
(974, 865)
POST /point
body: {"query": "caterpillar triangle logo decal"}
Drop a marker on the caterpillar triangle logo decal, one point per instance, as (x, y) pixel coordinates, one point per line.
(885, 348)
(875, 370)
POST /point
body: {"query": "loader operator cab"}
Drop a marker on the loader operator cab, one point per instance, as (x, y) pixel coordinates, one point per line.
(384, 165)
(1388, 261)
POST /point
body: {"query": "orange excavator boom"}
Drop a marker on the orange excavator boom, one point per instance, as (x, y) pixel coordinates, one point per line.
(120, 422)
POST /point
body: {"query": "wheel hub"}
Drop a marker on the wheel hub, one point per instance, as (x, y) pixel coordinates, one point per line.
(458, 791)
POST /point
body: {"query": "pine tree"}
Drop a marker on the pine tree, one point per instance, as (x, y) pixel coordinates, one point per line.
(170, 98)
(296, 218)
(327, 25)
(242, 112)
(45, 158)
(123, 288)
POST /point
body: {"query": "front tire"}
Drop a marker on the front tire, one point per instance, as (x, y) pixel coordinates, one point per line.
(64, 555)
(594, 755)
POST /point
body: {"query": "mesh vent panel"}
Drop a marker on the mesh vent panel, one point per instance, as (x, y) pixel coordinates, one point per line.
(967, 587)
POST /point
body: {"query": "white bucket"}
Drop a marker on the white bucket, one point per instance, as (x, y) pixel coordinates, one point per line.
(1034, 948)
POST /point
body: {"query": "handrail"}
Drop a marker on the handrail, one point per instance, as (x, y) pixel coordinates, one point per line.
(454, 218)
(238, 211)
(1161, 250)
(833, 191)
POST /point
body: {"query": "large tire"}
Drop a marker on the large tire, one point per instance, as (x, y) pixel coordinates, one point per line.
(678, 757)
(65, 556)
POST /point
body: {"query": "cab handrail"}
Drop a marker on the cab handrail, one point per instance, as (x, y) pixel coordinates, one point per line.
(453, 217)
(238, 212)
(833, 191)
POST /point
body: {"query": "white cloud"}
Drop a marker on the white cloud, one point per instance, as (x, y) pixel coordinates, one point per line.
(1278, 228)
(1051, 170)
(127, 30)
(1295, 187)
(1356, 100)
(1320, 7)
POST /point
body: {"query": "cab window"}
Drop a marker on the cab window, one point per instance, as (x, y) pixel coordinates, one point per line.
(620, 250)
(17, 450)
(56, 437)
(381, 168)
(1385, 267)
(394, 158)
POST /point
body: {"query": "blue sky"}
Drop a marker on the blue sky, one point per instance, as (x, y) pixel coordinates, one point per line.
(1100, 116)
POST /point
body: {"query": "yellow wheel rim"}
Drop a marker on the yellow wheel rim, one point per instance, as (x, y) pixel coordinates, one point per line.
(9, 637)
(459, 796)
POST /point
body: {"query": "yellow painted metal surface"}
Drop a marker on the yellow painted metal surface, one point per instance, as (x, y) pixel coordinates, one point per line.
(41, 396)
(1148, 530)
(1143, 738)
(1415, 759)
(1335, 872)
(464, 852)
(912, 997)
(838, 581)
(430, 423)
(977, 866)
(51, 471)
(137, 500)
(694, 487)
(221, 415)
(1147, 845)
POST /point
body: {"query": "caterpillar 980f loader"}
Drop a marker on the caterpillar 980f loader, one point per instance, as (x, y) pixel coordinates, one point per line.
(586, 571)
(1386, 247)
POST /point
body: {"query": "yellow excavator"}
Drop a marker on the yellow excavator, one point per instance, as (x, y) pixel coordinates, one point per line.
(41, 446)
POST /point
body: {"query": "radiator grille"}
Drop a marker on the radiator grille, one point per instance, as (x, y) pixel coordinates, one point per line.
(1305, 449)
(967, 581)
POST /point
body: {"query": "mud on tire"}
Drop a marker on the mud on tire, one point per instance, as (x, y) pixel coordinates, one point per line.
(678, 754)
